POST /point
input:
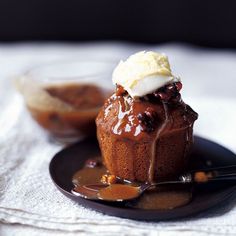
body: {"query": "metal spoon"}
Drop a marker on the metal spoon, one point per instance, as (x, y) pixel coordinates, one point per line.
(124, 192)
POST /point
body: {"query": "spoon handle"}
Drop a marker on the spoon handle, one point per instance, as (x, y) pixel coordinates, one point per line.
(149, 185)
(220, 173)
(222, 170)
(223, 173)
(225, 177)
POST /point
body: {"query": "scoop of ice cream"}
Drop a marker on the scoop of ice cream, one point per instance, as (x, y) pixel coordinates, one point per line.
(143, 73)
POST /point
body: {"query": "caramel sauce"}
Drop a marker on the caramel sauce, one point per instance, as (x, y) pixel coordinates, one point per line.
(138, 118)
(118, 191)
(83, 100)
(151, 170)
(158, 198)
(65, 124)
(79, 96)
(164, 198)
(88, 175)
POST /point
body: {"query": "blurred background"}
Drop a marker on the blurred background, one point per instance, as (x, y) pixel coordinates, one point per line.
(198, 36)
(207, 23)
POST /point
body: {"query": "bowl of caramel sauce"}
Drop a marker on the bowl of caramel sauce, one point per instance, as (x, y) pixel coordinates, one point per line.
(64, 97)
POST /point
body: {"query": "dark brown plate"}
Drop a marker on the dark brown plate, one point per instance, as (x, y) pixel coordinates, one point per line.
(205, 154)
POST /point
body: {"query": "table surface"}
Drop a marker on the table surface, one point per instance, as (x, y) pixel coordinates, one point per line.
(31, 205)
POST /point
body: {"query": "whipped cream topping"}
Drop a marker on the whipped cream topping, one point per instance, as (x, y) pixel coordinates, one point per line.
(143, 73)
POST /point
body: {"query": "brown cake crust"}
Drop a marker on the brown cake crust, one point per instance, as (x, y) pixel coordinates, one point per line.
(146, 139)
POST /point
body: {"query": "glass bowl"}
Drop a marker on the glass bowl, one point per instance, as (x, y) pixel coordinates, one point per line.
(64, 97)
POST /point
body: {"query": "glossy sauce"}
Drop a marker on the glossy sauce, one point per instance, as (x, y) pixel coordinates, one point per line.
(118, 191)
(165, 198)
(141, 116)
(158, 198)
(151, 171)
(79, 96)
(89, 175)
(83, 102)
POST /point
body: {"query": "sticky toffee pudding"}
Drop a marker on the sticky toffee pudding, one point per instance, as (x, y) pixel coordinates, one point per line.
(145, 133)
(145, 129)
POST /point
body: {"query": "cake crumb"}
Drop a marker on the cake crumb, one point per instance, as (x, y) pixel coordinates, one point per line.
(202, 177)
(108, 179)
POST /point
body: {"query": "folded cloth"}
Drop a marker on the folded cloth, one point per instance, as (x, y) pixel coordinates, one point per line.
(29, 198)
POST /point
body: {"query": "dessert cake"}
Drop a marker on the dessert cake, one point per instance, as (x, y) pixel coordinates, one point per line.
(145, 130)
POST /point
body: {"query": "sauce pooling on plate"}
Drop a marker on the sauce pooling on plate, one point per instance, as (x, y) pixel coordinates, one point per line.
(93, 173)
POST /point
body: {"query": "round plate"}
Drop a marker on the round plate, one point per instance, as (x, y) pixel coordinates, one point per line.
(205, 154)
